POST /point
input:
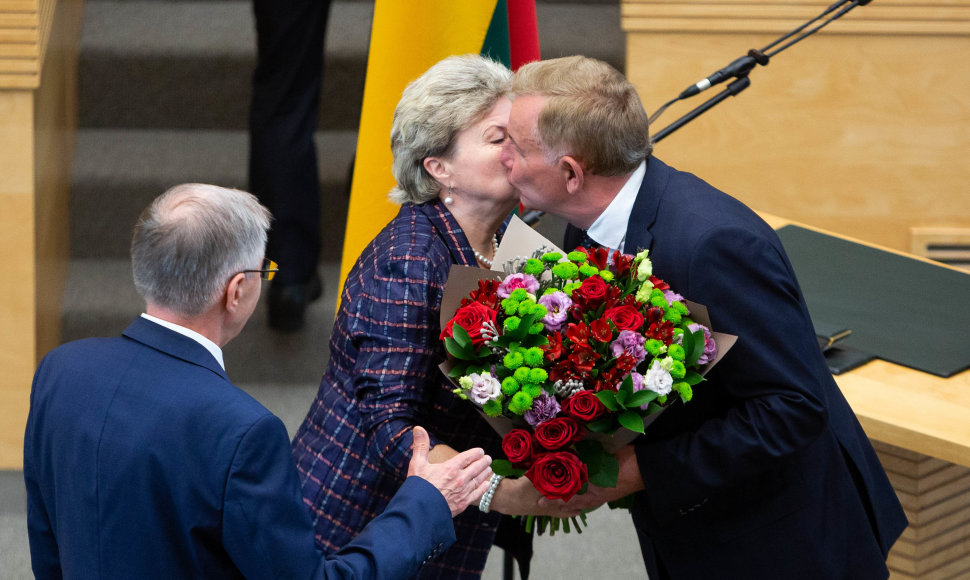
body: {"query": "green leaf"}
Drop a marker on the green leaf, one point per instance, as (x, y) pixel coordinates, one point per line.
(455, 350)
(608, 473)
(627, 386)
(697, 348)
(605, 425)
(608, 398)
(641, 398)
(621, 397)
(693, 377)
(461, 336)
(504, 468)
(631, 420)
(458, 371)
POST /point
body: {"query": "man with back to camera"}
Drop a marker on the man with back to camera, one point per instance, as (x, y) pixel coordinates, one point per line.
(766, 473)
(142, 460)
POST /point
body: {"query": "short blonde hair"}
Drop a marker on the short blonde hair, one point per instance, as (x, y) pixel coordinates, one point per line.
(452, 95)
(592, 113)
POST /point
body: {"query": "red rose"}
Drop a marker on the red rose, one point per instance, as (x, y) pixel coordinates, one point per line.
(600, 330)
(558, 433)
(584, 406)
(592, 289)
(624, 317)
(517, 446)
(558, 475)
(471, 318)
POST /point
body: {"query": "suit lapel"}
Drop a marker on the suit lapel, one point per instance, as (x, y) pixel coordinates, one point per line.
(644, 214)
(173, 344)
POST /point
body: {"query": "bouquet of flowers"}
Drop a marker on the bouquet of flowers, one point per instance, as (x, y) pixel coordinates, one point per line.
(570, 356)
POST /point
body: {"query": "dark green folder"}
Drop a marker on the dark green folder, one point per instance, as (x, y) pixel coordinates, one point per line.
(899, 309)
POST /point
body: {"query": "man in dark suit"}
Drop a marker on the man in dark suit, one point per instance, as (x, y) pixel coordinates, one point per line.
(142, 460)
(766, 473)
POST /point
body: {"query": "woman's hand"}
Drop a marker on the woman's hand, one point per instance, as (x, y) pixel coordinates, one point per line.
(518, 497)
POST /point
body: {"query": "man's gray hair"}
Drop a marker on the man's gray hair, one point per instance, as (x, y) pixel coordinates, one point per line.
(191, 240)
(452, 95)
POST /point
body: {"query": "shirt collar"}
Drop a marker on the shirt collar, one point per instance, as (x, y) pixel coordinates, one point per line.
(208, 344)
(609, 229)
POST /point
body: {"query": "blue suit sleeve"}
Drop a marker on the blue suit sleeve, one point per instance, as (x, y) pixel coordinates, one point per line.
(267, 530)
(773, 376)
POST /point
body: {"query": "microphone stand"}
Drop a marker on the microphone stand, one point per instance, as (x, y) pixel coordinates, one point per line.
(738, 69)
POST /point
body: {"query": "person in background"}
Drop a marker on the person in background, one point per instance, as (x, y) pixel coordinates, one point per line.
(382, 378)
(766, 473)
(142, 459)
(283, 170)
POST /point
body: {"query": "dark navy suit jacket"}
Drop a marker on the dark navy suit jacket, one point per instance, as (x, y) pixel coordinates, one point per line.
(766, 473)
(142, 460)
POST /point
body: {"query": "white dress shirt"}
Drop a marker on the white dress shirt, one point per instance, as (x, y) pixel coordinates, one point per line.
(609, 229)
(208, 344)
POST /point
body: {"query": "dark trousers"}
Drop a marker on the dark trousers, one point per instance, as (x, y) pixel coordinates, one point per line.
(283, 113)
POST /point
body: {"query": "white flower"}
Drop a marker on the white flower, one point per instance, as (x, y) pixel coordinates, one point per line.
(484, 388)
(658, 379)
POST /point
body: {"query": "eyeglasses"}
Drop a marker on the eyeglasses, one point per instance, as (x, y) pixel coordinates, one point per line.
(268, 270)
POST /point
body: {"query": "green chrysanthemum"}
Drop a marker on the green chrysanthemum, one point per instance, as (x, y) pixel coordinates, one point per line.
(537, 377)
(551, 257)
(606, 275)
(532, 390)
(677, 352)
(565, 270)
(520, 403)
(672, 315)
(512, 323)
(683, 389)
(533, 267)
(678, 370)
(587, 270)
(492, 408)
(509, 306)
(533, 356)
(519, 294)
(655, 347)
(578, 257)
(521, 374)
(513, 360)
(510, 386)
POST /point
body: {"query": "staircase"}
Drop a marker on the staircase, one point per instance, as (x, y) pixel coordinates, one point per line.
(163, 99)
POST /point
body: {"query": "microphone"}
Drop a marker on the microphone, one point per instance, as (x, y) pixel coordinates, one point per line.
(737, 68)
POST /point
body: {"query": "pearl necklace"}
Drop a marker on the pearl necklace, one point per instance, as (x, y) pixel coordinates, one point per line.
(483, 259)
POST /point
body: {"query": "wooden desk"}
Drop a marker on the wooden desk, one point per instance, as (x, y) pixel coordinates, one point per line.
(920, 426)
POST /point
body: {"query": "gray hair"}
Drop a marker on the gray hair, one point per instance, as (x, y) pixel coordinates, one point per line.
(191, 240)
(452, 95)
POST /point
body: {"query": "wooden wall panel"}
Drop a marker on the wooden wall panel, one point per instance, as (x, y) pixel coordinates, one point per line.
(862, 129)
(38, 112)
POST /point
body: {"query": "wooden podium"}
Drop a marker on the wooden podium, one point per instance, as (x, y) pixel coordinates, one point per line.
(919, 425)
(38, 112)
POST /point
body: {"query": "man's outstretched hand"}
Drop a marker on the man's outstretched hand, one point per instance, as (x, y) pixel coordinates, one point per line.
(463, 479)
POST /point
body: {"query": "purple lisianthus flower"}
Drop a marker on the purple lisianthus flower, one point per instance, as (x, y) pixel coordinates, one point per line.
(557, 307)
(544, 407)
(631, 343)
(710, 347)
(672, 296)
(517, 280)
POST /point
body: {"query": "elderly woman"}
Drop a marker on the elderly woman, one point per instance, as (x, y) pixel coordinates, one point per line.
(383, 378)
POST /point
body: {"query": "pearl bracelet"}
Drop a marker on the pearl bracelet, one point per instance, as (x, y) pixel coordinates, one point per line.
(486, 501)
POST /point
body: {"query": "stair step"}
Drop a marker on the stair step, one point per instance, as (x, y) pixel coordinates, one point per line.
(117, 172)
(158, 64)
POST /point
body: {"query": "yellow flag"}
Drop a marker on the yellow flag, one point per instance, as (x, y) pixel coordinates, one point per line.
(406, 39)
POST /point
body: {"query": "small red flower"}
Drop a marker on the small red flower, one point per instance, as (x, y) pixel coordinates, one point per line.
(553, 349)
(577, 333)
(600, 330)
(485, 294)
